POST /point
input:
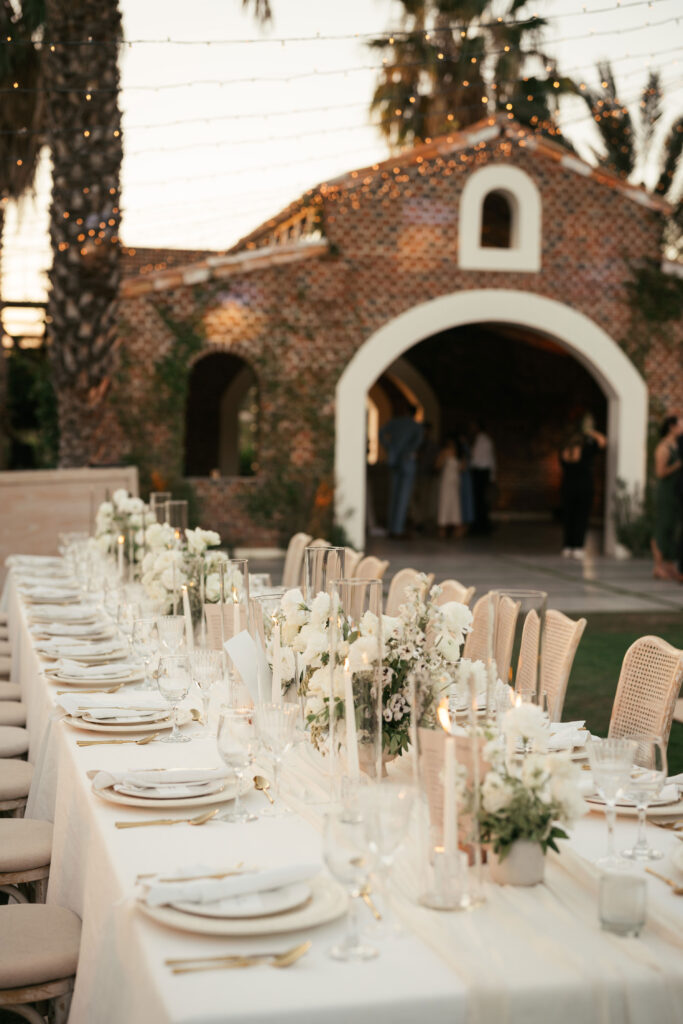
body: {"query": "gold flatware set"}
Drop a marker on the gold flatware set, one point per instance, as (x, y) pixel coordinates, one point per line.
(201, 819)
(189, 965)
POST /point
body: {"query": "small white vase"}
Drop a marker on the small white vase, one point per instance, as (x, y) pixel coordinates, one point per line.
(524, 864)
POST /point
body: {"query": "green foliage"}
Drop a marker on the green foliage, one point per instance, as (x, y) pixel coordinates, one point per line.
(634, 518)
(32, 422)
(657, 296)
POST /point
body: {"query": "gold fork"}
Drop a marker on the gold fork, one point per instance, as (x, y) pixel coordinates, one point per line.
(217, 963)
(677, 889)
(108, 689)
(201, 819)
(140, 743)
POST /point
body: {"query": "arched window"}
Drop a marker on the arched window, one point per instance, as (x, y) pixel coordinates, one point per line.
(496, 221)
(499, 224)
(221, 431)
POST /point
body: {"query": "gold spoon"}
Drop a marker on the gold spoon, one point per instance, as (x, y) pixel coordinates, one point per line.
(140, 743)
(677, 889)
(262, 784)
(286, 959)
(201, 819)
(370, 904)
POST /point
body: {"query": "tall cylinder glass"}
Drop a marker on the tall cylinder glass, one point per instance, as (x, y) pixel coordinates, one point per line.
(322, 563)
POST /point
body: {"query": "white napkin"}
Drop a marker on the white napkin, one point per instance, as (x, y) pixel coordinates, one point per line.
(71, 629)
(80, 648)
(68, 613)
(156, 780)
(209, 890)
(567, 735)
(35, 561)
(109, 702)
(118, 670)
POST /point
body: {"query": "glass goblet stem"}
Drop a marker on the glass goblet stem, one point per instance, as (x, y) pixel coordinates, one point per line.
(610, 817)
(352, 936)
(205, 710)
(237, 809)
(641, 847)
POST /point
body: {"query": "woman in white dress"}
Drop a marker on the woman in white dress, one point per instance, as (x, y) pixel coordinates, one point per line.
(449, 514)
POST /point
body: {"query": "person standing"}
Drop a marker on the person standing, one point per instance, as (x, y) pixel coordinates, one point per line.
(401, 438)
(577, 459)
(667, 501)
(483, 471)
(449, 516)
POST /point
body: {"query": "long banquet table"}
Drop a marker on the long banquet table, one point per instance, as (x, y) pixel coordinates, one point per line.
(527, 955)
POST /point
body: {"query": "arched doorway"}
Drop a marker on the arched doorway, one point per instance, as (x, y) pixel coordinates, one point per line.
(623, 387)
(222, 417)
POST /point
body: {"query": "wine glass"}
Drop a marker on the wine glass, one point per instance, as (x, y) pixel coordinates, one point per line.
(173, 682)
(347, 856)
(611, 761)
(128, 612)
(237, 741)
(276, 724)
(385, 810)
(171, 629)
(144, 642)
(648, 775)
(206, 668)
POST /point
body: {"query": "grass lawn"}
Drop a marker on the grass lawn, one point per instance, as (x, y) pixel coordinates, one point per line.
(595, 673)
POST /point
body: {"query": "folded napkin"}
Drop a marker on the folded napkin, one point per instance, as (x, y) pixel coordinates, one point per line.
(118, 670)
(80, 648)
(567, 735)
(58, 612)
(35, 561)
(155, 780)
(209, 890)
(114, 704)
(47, 594)
(72, 629)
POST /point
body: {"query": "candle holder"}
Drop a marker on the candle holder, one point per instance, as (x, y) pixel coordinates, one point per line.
(322, 564)
(157, 504)
(353, 705)
(233, 616)
(277, 661)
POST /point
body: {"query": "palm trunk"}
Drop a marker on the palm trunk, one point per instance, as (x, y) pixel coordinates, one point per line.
(82, 82)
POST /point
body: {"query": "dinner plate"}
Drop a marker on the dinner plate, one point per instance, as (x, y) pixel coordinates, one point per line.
(328, 901)
(178, 791)
(252, 904)
(72, 620)
(88, 659)
(228, 792)
(119, 727)
(98, 634)
(142, 718)
(672, 808)
(57, 678)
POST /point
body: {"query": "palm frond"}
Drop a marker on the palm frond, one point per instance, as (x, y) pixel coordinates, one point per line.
(650, 108)
(262, 10)
(671, 155)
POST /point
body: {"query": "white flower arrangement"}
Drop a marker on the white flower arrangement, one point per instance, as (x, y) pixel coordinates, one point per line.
(532, 798)
(117, 517)
(424, 638)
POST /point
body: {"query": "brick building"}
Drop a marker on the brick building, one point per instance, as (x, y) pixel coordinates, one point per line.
(484, 274)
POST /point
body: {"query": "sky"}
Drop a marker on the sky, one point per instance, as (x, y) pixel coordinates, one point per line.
(225, 122)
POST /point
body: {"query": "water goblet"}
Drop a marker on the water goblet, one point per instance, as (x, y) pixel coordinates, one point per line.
(648, 775)
(206, 668)
(237, 742)
(173, 682)
(126, 615)
(144, 642)
(171, 629)
(386, 810)
(276, 725)
(611, 761)
(347, 856)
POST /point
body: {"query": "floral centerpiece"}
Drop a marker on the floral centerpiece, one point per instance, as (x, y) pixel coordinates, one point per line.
(169, 564)
(118, 517)
(526, 802)
(424, 638)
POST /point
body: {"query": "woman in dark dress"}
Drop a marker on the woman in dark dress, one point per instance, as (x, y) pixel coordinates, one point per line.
(577, 459)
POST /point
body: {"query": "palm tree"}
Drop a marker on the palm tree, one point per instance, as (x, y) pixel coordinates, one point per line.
(630, 147)
(82, 85)
(453, 61)
(22, 103)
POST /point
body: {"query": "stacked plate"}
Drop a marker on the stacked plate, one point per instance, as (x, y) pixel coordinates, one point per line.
(165, 789)
(73, 673)
(244, 903)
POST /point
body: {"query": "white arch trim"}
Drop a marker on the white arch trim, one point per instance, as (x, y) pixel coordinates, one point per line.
(521, 191)
(624, 388)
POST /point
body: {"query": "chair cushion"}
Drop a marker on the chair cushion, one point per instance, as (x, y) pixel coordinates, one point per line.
(15, 779)
(5, 648)
(25, 843)
(13, 741)
(9, 691)
(12, 712)
(38, 943)
(5, 665)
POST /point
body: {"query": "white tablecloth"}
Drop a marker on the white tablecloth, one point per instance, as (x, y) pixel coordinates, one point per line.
(529, 955)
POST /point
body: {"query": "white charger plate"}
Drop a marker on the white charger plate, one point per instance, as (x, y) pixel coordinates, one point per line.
(178, 791)
(56, 677)
(671, 808)
(88, 659)
(228, 792)
(328, 901)
(119, 727)
(99, 634)
(273, 901)
(142, 718)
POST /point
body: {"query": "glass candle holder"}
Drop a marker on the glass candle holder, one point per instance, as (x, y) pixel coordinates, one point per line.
(622, 902)
(322, 564)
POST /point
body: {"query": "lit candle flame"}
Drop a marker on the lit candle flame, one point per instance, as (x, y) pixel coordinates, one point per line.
(444, 716)
(122, 539)
(346, 665)
(517, 700)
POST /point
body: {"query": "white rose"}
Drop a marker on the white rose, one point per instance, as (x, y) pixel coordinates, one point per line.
(319, 682)
(212, 588)
(289, 632)
(320, 609)
(135, 520)
(369, 625)
(106, 509)
(171, 579)
(291, 604)
(133, 506)
(119, 497)
(449, 648)
(526, 720)
(496, 793)
(311, 642)
(159, 535)
(363, 653)
(391, 626)
(199, 540)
